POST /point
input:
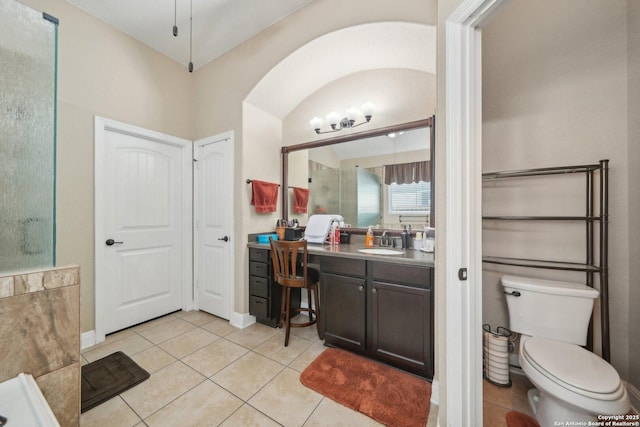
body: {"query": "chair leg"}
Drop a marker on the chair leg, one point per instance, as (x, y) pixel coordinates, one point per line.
(282, 306)
(288, 317)
(309, 302)
(317, 310)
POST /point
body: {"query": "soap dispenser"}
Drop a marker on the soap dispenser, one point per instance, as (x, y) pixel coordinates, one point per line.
(368, 241)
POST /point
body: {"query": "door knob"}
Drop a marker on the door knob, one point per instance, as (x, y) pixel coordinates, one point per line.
(225, 238)
(111, 242)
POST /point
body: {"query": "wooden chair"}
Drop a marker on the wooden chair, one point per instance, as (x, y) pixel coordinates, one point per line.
(290, 271)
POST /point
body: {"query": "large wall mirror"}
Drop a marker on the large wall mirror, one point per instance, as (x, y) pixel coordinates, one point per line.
(382, 177)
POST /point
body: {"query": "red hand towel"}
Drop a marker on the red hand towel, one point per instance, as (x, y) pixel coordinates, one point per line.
(300, 199)
(264, 196)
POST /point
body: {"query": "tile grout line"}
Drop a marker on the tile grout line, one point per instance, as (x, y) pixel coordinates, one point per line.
(177, 397)
(250, 347)
(210, 378)
(141, 420)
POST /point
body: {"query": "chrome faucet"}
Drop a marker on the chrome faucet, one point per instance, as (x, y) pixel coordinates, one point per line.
(384, 240)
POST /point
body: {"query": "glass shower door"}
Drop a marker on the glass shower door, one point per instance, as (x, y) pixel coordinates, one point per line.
(28, 54)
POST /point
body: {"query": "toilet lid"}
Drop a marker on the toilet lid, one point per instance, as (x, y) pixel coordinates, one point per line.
(571, 365)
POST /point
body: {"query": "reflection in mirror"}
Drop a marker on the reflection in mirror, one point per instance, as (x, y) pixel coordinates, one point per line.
(381, 181)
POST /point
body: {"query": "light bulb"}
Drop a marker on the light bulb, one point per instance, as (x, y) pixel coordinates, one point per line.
(353, 114)
(333, 118)
(316, 123)
(368, 109)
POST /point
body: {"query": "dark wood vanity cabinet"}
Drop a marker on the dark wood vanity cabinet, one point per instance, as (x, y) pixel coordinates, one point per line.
(380, 309)
(343, 302)
(265, 295)
(400, 316)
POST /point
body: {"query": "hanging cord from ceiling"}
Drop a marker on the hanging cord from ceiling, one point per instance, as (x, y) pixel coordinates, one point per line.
(175, 18)
(191, 38)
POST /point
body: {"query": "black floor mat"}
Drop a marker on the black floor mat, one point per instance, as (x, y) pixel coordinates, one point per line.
(107, 377)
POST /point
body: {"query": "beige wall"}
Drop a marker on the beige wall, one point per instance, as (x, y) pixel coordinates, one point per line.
(401, 95)
(554, 94)
(102, 71)
(224, 83)
(633, 56)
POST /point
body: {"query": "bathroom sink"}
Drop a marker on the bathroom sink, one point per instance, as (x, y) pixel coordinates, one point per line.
(380, 251)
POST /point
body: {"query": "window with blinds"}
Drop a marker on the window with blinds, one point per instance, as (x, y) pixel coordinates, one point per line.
(407, 199)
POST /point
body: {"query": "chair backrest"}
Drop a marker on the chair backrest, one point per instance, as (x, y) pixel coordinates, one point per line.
(286, 257)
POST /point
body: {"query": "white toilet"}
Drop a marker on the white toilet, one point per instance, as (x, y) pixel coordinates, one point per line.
(572, 384)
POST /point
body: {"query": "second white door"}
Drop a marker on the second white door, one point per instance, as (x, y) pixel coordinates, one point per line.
(214, 242)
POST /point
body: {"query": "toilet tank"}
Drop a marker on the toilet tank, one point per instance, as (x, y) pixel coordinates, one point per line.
(550, 309)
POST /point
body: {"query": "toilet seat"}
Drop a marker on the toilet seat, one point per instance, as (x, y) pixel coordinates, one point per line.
(573, 375)
(577, 369)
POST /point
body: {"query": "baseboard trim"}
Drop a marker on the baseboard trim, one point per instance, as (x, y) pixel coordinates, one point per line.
(435, 392)
(634, 397)
(242, 320)
(87, 339)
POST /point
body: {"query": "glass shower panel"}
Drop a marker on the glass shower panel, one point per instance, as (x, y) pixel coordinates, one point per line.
(348, 191)
(28, 51)
(324, 196)
(369, 193)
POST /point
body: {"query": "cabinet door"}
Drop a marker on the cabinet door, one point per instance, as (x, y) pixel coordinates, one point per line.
(342, 301)
(400, 326)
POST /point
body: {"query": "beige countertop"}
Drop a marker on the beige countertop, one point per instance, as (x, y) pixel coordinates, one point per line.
(408, 256)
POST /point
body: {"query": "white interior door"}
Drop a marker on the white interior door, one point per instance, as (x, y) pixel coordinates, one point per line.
(143, 222)
(214, 261)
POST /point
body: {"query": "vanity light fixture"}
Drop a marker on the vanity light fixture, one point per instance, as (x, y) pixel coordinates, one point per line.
(352, 115)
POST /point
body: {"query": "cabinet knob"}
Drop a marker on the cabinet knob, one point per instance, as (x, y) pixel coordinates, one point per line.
(361, 288)
(374, 291)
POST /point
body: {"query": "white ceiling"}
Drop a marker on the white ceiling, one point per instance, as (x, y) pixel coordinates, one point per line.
(218, 25)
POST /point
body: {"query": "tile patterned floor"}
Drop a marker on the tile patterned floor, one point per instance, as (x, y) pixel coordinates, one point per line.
(500, 400)
(205, 372)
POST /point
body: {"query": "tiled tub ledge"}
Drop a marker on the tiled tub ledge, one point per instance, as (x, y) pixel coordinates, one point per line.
(34, 281)
(40, 312)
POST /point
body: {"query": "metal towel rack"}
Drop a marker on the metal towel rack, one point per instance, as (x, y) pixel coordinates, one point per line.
(590, 267)
(249, 181)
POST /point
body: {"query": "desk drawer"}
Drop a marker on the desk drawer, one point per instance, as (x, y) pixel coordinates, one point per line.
(258, 306)
(258, 269)
(260, 255)
(259, 286)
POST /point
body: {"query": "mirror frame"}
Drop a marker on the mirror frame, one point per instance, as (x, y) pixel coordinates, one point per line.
(429, 122)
